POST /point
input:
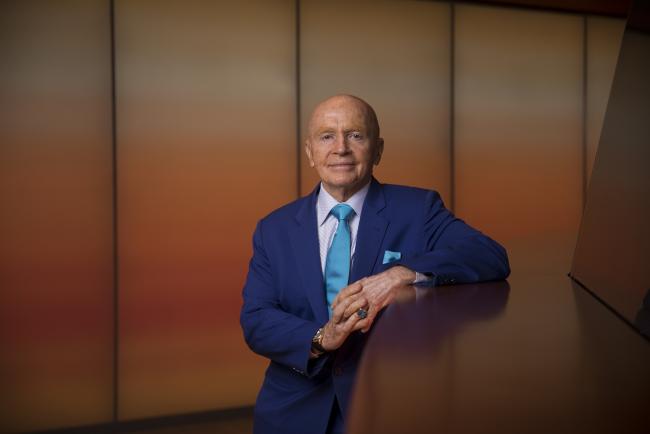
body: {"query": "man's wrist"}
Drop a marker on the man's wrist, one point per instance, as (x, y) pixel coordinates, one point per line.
(406, 276)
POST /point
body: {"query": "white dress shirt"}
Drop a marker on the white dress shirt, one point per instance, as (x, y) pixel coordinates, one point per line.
(327, 223)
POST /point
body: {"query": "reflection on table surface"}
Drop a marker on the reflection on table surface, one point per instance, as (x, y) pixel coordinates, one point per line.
(537, 354)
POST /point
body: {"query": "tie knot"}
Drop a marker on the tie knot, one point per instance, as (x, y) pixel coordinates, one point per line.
(342, 211)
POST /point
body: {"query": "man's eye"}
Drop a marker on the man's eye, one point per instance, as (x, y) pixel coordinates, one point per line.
(356, 136)
(326, 137)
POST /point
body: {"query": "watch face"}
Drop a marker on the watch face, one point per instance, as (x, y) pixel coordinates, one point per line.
(316, 341)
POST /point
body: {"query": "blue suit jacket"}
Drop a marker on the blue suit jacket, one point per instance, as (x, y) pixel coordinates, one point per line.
(284, 296)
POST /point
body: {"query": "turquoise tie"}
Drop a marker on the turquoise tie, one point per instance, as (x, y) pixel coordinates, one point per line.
(337, 265)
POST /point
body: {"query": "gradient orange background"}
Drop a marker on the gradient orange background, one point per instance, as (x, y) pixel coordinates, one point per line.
(56, 255)
(499, 109)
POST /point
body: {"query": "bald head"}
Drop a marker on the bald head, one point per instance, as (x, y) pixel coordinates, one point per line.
(343, 144)
(336, 102)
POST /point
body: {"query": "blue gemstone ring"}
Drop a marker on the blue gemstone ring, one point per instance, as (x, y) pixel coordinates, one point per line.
(362, 313)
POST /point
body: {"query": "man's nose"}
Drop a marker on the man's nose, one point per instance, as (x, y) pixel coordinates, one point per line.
(341, 146)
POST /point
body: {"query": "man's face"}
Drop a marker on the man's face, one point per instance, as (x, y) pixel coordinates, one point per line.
(343, 145)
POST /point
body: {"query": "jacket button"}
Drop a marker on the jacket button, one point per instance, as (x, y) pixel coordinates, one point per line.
(338, 371)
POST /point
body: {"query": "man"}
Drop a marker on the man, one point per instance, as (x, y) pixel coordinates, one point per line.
(324, 266)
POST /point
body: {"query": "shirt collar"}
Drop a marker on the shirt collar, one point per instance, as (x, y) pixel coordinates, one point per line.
(326, 202)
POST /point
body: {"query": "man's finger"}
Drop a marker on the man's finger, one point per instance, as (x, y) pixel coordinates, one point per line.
(354, 307)
(349, 323)
(372, 313)
(352, 297)
(337, 312)
(362, 325)
(351, 289)
(342, 295)
(346, 292)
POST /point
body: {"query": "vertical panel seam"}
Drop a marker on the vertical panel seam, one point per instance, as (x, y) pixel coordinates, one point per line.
(584, 110)
(298, 96)
(111, 5)
(452, 106)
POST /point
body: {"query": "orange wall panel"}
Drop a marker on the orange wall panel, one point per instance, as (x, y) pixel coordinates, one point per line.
(395, 55)
(56, 238)
(206, 147)
(518, 129)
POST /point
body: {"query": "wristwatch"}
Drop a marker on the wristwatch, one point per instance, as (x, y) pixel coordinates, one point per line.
(317, 343)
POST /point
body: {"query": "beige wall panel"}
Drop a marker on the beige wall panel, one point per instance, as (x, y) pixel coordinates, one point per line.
(395, 55)
(206, 147)
(56, 238)
(519, 130)
(603, 43)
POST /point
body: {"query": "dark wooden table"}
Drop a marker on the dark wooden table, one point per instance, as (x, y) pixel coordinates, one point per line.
(532, 355)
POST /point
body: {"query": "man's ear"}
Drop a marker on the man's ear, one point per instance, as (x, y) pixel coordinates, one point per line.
(378, 151)
(308, 152)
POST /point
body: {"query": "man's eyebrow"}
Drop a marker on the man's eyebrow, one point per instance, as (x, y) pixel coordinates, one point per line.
(329, 129)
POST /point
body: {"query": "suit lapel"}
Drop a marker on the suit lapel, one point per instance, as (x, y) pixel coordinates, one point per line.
(372, 229)
(305, 245)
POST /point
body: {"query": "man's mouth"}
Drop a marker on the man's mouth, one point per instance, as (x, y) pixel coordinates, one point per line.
(341, 165)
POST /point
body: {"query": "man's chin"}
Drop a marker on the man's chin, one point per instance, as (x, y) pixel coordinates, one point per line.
(348, 185)
(341, 183)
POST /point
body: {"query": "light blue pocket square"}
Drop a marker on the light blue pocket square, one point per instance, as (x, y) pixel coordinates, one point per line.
(391, 256)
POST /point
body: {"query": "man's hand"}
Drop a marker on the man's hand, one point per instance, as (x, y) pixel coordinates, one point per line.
(372, 293)
(337, 329)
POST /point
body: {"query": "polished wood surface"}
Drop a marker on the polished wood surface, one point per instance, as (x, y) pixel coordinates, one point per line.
(535, 354)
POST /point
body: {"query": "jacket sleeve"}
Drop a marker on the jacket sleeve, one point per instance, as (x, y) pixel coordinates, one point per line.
(454, 252)
(268, 330)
